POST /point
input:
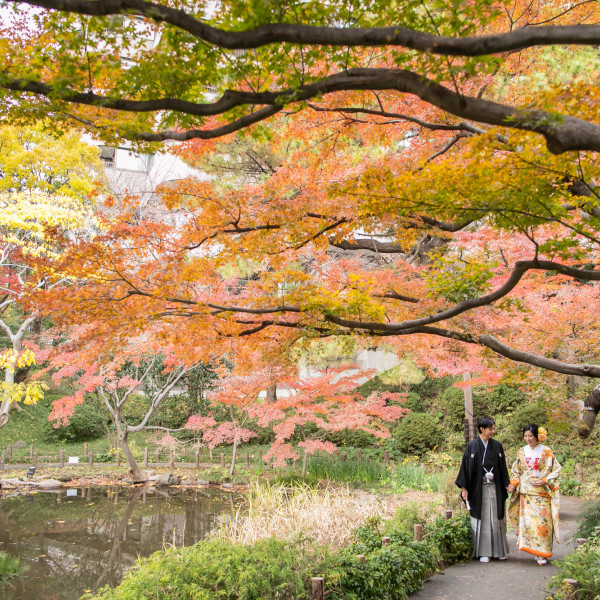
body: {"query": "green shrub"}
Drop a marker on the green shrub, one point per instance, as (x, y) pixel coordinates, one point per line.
(452, 406)
(266, 570)
(10, 566)
(533, 412)
(416, 433)
(350, 438)
(173, 412)
(451, 538)
(504, 399)
(88, 422)
(583, 566)
(589, 520)
(415, 403)
(388, 573)
(431, 388)
(280, 570)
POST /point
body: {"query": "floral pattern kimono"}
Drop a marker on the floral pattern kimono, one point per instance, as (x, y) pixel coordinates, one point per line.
(533, 511)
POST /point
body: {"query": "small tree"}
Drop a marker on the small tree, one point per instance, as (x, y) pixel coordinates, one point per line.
(119, 382)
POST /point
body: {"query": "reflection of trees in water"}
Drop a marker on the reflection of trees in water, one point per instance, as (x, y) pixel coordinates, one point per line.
(71, 544)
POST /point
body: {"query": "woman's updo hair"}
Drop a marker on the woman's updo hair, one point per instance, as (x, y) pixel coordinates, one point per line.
(533, 428)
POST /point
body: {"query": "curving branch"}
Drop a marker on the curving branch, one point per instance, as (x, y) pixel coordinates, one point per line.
(275, 33)
(562, 132)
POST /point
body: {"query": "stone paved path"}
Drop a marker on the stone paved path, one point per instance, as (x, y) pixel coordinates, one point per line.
(512, 579)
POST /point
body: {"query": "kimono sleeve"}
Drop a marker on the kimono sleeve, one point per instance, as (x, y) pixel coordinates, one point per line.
(462, 480)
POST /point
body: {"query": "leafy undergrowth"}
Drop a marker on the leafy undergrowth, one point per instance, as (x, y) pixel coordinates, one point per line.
(10, 566)
(258, 560)
(583, 566)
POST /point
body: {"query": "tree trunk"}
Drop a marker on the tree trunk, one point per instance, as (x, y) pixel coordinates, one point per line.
(304, 461)
(272, 393)
(9, 377)
(591, 407)
(232, 466)
(134, 469)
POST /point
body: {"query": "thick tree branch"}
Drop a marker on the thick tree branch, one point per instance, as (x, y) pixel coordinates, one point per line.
(274, 33)
(562, 132)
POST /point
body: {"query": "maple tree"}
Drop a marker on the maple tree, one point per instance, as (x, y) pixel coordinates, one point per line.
(328, 401)
(429, 178)
(139, 370)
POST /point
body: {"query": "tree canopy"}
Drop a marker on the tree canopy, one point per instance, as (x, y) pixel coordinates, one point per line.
(423, 172)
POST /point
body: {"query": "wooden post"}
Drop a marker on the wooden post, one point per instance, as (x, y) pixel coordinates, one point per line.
(118, 456)
(91, 459)
(418, 532)
(448, 514)
(344, 457)
(61, 458)
(358, 454)
(9, 454)
(145, 458)
(30, 451)
(35, 459)
(157, 454)
(318, 588)
(468, 392)
(579, 471)
(386, 457)
(580, 541)
(386, 541)
(210, 454)
(197, 459)
(247, 459)
(85, 448)
(2, 460)
(222, 460)
(171, 458)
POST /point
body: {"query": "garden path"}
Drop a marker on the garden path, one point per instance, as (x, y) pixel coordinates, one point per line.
(512, 579)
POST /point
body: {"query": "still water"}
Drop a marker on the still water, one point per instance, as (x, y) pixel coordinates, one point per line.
(79, 540)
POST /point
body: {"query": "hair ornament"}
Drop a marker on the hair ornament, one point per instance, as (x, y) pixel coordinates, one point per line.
(542, 434)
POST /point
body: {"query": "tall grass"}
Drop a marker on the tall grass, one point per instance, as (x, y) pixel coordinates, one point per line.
(10, 566)
(326, 514)
(371, 472)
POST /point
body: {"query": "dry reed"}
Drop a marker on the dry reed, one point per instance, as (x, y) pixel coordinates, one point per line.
(327, 515)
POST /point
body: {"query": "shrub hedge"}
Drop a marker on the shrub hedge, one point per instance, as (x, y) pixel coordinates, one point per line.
(270, 569)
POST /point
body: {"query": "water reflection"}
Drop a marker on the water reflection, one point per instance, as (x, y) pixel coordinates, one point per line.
(77, 540)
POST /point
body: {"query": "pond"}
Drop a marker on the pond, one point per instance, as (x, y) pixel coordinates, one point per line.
(78, 540)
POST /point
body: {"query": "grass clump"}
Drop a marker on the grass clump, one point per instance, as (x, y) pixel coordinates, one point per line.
(10, 566)
(326, 514)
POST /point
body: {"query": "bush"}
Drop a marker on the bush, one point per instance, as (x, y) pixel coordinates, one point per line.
(10, 566)
(388, 573)
(280, 570)
(416, 433)
(452, 538)
(534, 412)
(89, 422)
(583, 566)
(589, 520)
(266, 570)
(353, 438)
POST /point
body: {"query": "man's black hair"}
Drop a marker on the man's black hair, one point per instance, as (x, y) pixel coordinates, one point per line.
(484, 423)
